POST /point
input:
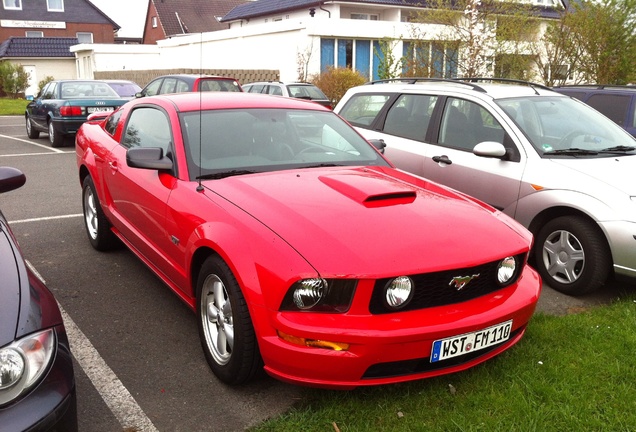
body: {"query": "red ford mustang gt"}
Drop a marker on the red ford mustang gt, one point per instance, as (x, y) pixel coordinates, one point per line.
(300, 248)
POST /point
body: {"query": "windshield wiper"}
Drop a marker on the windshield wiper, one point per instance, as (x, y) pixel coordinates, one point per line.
(323, 165)
(223, 174)
(619, 149)
(572, 152)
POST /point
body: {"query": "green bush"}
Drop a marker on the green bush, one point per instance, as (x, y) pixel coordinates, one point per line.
(13, 79)
(335, 82)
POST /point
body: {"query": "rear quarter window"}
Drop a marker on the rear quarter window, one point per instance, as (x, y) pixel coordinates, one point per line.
(362, 109)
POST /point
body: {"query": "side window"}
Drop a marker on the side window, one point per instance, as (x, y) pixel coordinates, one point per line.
(612, 106)
(112, 122)
(409, 116)
(148, 127)
(465, 124)
(362, 109)
(181, 87)
(49, 91)
(275, 90)
(153, 88)
(256, 88)
(168, 86)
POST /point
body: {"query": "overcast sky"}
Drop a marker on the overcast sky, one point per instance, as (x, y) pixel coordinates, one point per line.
(128, 14)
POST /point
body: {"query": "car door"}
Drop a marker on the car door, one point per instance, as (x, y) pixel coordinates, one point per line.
(139, 196)
(450, 159)
(40, 107)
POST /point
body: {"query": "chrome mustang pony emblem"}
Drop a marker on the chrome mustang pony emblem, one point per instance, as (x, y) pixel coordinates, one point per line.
(459, 282)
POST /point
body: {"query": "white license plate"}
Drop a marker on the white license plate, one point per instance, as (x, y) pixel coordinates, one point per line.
(463, 344)
(99, 109)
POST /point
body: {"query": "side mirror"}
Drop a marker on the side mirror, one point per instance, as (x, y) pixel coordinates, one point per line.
(378, 144)
(10, 179)
(490, 149)
(148, 158)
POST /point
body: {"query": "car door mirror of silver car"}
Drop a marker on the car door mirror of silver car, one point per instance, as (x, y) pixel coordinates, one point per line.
(490, 149)
(148, 158)
(379, 144)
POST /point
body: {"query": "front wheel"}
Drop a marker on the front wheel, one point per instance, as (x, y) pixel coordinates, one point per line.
(572, 256)
(225, 327)
(31, 131)
(97, 226)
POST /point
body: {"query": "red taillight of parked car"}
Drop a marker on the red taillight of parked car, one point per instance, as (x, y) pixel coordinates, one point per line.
(70, 111)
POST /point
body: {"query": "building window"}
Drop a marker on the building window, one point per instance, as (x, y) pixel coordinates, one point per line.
(154, 22)
(55, 5)
(34, 34)
(84, 37)
(364, 16)
(347, 53)
(12, 4)
(430, 59)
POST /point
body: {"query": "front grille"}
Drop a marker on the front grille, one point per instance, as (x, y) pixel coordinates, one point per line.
(419, 365)
(435, 289)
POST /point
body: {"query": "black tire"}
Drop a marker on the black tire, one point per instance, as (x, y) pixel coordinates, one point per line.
(97, 226)
(572, 256)
(225, 327)
(55, 137)
(31, 131)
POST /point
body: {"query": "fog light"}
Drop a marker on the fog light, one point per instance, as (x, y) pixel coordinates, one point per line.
(11, 368)
(506, 270)
(398, 292)
(309, 292)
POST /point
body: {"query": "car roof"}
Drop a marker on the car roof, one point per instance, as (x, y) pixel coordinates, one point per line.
(492, 90)
(187, 102)
(195, 76)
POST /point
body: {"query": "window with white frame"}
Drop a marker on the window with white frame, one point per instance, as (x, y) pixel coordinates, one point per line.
(154, 22)
(34, 34)
(365, 16)
(84, 37)
(12, 4)
(55, 5)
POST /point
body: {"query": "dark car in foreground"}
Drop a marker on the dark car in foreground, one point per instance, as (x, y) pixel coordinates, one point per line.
(298, 90)
(37, 385)
(614, 101)
(301, 249)
(183, 83)
(62, 106)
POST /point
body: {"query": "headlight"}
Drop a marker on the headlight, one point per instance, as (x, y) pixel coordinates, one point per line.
(506, 270)
(398, 292)
(23, 362)
(319, 295)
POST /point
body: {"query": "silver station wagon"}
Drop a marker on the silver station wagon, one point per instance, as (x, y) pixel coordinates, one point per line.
(562, 169)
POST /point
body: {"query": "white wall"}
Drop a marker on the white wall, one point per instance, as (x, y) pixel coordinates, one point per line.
(41, 68)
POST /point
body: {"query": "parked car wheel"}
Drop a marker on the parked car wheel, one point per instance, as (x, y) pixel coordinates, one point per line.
(31, 132)
(572, 256)
(56, 139)
(225, 327)
(97, 226)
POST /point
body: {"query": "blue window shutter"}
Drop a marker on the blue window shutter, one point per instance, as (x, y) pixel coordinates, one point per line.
(326, 53)
(363, 57)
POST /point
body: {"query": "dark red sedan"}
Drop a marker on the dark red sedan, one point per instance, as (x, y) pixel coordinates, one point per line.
(298, 246)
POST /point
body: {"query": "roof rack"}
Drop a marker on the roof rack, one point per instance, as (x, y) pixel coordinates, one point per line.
(414, 80)
(505, 80)
(599, 86)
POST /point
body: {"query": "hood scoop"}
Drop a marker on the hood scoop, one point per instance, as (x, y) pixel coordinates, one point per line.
(369, 190)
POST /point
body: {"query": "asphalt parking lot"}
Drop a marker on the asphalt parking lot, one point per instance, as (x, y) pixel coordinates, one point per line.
(139, 365)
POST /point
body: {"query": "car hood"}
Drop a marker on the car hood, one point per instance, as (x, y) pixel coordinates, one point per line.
(372, 221)
(612, 171)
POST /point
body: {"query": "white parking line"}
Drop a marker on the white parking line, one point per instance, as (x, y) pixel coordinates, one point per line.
(117, 397)
(55, 150)
(45, 218)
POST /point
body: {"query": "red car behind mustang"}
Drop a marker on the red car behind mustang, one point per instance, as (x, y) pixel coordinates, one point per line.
(301, 249)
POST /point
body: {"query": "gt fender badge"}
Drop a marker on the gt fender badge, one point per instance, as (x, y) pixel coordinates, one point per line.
(459, 282)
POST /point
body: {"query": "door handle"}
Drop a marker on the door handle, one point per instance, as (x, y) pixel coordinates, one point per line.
(113, 166)
(442, 159)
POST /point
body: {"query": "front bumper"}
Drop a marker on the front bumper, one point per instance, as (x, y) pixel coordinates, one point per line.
(395, 347)
(51, 405)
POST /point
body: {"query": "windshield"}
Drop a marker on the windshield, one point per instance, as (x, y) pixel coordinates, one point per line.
(236, 142)
(565, 126)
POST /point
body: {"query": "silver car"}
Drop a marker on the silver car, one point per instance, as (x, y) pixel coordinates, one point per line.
(556, 165)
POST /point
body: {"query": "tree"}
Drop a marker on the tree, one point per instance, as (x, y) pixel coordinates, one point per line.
(13, 79)
(389, 66)
(334, 82)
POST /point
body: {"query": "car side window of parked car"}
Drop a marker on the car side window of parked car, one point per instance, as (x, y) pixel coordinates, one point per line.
(275, 90)
(153, 88)
(112, 122)
(409, 116)
(612, 105)
(466, 124)
(49, 91)
(362, 109)
(169, 86)
(148, 127)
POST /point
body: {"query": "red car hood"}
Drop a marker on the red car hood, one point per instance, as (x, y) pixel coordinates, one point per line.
(372, 221)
